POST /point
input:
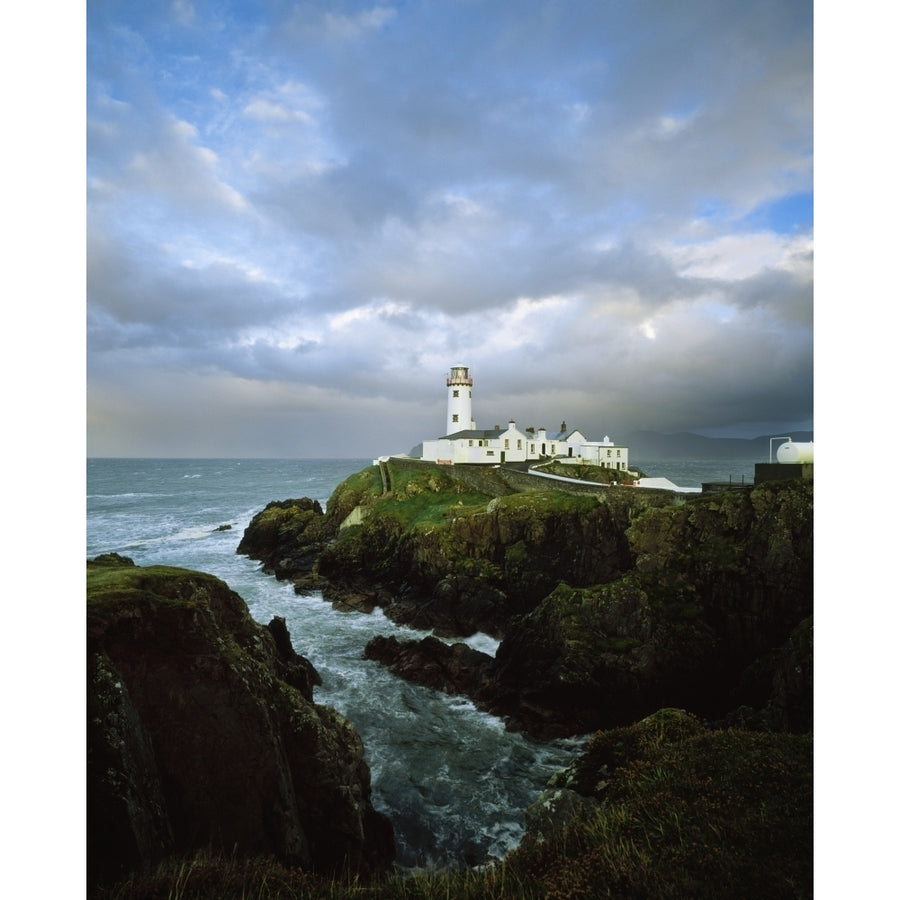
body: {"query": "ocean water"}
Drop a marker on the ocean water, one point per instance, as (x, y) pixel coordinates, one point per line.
(696, 472)
(453, 781)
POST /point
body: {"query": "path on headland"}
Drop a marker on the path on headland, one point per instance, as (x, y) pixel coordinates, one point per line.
(660, 483)
(385, 476)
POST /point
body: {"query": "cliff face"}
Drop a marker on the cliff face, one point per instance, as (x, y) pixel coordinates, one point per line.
(202, 733)
(610, 603)
(457, 551)
(717, 584)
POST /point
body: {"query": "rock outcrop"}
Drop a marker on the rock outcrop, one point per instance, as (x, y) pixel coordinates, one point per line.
(457, 551)
(202, 733)
(610, 603)
(287, 536)
(451, 668)
(717, 584)
(714, 616)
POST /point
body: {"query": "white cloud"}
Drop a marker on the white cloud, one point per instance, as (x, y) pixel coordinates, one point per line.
(346, 27)
(738, 256)
(174, 167)
(288, 103)
(267, 110)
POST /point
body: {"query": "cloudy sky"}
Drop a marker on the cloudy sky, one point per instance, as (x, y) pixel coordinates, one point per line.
(300, 215)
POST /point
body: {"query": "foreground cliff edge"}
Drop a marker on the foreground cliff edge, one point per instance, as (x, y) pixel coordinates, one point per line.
(610, 602)
(203, 734)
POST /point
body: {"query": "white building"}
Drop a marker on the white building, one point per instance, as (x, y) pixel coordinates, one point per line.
(465, 443)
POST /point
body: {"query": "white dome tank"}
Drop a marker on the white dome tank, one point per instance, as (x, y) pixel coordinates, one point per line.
(791, 452)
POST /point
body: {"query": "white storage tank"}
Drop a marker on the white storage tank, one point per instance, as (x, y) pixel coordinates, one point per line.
(792, 452)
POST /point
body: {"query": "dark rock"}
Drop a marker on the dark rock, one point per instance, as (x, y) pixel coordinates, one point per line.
(198, 739)
(296, 670)
(110, 559)
(451, 668)
(287, 537)
(775, 693)
(716, 584)
(610, 603)
(470, 572)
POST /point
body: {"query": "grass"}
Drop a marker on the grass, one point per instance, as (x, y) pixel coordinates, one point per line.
(432, 496)
(113, 586)
(428, 498)
(683, 811)
(209, 876)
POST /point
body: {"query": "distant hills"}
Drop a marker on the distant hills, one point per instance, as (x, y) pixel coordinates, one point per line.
(684, 445)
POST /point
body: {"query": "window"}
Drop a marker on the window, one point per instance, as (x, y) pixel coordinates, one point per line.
(519, 444)
(471, 443)
(618, 452)
(490, 453)
(456, 393)
(506, 444)
(455, 417)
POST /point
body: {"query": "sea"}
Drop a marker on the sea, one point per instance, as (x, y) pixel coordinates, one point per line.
(453, 781)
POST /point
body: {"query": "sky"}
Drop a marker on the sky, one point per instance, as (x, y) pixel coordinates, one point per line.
(300, 215)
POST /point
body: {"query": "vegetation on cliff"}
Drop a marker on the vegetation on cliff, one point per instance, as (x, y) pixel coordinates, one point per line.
(488, 543)
(716, 585)
(676, 809)
(202, 733)
(611, 602)
(664, 808)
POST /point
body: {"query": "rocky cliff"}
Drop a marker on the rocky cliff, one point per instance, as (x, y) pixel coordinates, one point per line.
(460, 550)
(610, 604)
(203, 733)
(716, 586)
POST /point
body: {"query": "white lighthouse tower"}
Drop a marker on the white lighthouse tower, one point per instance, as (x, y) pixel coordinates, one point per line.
(459, 400)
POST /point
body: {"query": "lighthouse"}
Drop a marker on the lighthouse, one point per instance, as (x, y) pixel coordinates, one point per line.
(459, 400)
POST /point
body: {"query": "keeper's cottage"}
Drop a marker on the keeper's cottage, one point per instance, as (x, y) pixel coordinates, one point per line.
(465, 443)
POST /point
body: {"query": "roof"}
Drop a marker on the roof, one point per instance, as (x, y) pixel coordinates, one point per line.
(475, 433)
(489, 433)
(563, 435)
